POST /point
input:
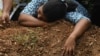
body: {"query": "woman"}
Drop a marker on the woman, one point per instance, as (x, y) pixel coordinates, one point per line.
(40, 12)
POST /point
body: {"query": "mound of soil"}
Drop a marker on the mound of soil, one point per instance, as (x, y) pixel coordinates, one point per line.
(17, 40)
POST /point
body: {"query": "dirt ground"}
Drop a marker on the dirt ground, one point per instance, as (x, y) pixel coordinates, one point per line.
(17, 40)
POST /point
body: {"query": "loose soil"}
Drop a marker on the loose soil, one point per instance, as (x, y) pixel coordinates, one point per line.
(17, 40)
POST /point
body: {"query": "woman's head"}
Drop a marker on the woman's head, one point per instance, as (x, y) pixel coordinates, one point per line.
(52, 10)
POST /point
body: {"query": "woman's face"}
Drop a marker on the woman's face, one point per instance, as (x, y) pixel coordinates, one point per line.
(40, 13)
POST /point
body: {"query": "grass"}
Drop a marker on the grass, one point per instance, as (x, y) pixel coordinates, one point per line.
(26, 38)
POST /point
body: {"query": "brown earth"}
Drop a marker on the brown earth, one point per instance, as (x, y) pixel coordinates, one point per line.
(17, 40)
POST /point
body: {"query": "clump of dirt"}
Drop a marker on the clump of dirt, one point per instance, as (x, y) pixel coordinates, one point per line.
(17, 40)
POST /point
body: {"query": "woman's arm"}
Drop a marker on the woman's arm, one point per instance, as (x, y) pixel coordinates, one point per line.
(30, 21)
(79, 29)
(7, 5)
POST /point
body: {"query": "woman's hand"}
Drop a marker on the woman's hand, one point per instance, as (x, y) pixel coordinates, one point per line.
(69, 47)
(5, 18)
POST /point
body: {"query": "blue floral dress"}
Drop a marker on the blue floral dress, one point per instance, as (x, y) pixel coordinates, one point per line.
(74, 16)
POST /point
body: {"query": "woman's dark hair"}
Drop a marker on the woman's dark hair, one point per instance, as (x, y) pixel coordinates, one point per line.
(56, 9)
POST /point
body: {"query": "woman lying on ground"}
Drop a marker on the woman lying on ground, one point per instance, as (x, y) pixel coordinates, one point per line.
(40, 12)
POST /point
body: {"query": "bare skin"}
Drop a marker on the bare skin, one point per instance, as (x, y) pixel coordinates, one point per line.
(7, 4)
(80, 28)
(31, 21)
(70, 43)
